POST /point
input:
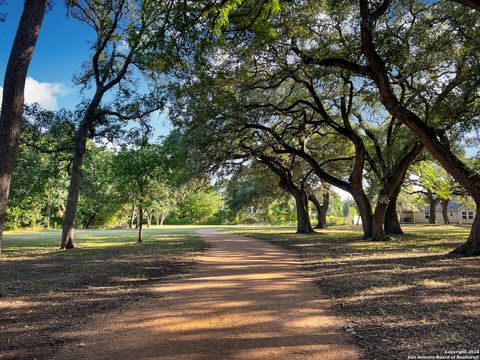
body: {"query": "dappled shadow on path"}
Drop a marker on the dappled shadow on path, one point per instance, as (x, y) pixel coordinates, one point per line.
(402, 298)
(246, 300)
(43, 295)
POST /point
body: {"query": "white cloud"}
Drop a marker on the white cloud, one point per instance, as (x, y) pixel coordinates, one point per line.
(43, 93)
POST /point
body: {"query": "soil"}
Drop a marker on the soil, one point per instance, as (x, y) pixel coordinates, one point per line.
(43, 296)
(246, 299)
(404, 298)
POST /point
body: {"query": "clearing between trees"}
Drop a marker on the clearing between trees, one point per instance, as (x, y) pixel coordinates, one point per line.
(246, 299)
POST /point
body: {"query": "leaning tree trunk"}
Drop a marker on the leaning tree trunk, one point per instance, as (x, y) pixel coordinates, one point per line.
(392, 224)
(321, 209)
(140, 222)
(13, 96)
(445, 203)
(90, 220)
(303, 218)
(68, 231)
(365, 212)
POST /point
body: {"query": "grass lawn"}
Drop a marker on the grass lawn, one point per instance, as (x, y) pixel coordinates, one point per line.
(44, 291)
(402, 297)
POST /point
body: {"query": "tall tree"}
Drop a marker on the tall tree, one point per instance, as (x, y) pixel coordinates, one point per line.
(13, 95)
(124, 31)
(429, 126)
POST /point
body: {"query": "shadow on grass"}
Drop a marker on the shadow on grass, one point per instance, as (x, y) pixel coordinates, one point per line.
(45, 292)
(402, 297)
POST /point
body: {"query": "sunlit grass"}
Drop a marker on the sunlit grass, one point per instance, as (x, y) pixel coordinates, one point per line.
(31, 243)
(346, 241)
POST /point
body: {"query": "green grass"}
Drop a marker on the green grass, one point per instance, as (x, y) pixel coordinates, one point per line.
(343, 241)
(47, 242)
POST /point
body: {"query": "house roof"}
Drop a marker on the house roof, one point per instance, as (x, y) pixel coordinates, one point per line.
(452, 206)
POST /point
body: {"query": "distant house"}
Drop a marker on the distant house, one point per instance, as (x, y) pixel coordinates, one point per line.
(457, 214)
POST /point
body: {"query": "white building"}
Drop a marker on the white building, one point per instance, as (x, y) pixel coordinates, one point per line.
(457, 214)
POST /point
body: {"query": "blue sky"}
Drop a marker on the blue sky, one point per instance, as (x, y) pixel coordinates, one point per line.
(62, 47)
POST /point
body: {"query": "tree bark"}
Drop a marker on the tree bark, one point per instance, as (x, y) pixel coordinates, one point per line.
(365, 212)
(392, 224)
(472, 246)
(76, 172)
(445, 203)
(304, 225)
(321, 209)
(140, 222)
(432, 219)
(378, 220)
(13, 96)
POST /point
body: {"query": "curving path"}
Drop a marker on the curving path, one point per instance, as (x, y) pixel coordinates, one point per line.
(246, 299)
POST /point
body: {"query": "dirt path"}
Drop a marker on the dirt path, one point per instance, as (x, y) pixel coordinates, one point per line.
(247, 299)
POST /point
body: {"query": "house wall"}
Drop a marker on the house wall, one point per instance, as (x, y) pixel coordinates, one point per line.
(454, 216)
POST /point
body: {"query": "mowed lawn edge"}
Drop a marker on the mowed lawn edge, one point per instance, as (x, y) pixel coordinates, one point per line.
(402, 298)
(45, 291)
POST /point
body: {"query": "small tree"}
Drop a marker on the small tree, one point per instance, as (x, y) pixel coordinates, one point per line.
(138, 172)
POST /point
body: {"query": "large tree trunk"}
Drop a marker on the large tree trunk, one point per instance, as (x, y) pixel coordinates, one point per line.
(472, 245)
(84, 129)
(321, 209)
(365, 212)
(13, 96)
(445, 203)
(149, 219)
(68, 232)
(303, 218)
(140, 222)
(392, 224)
(378, 220)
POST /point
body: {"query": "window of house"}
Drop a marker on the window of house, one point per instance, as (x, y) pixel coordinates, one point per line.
(427, 214)
(464, 215)
(451, 213)
(470, 215)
